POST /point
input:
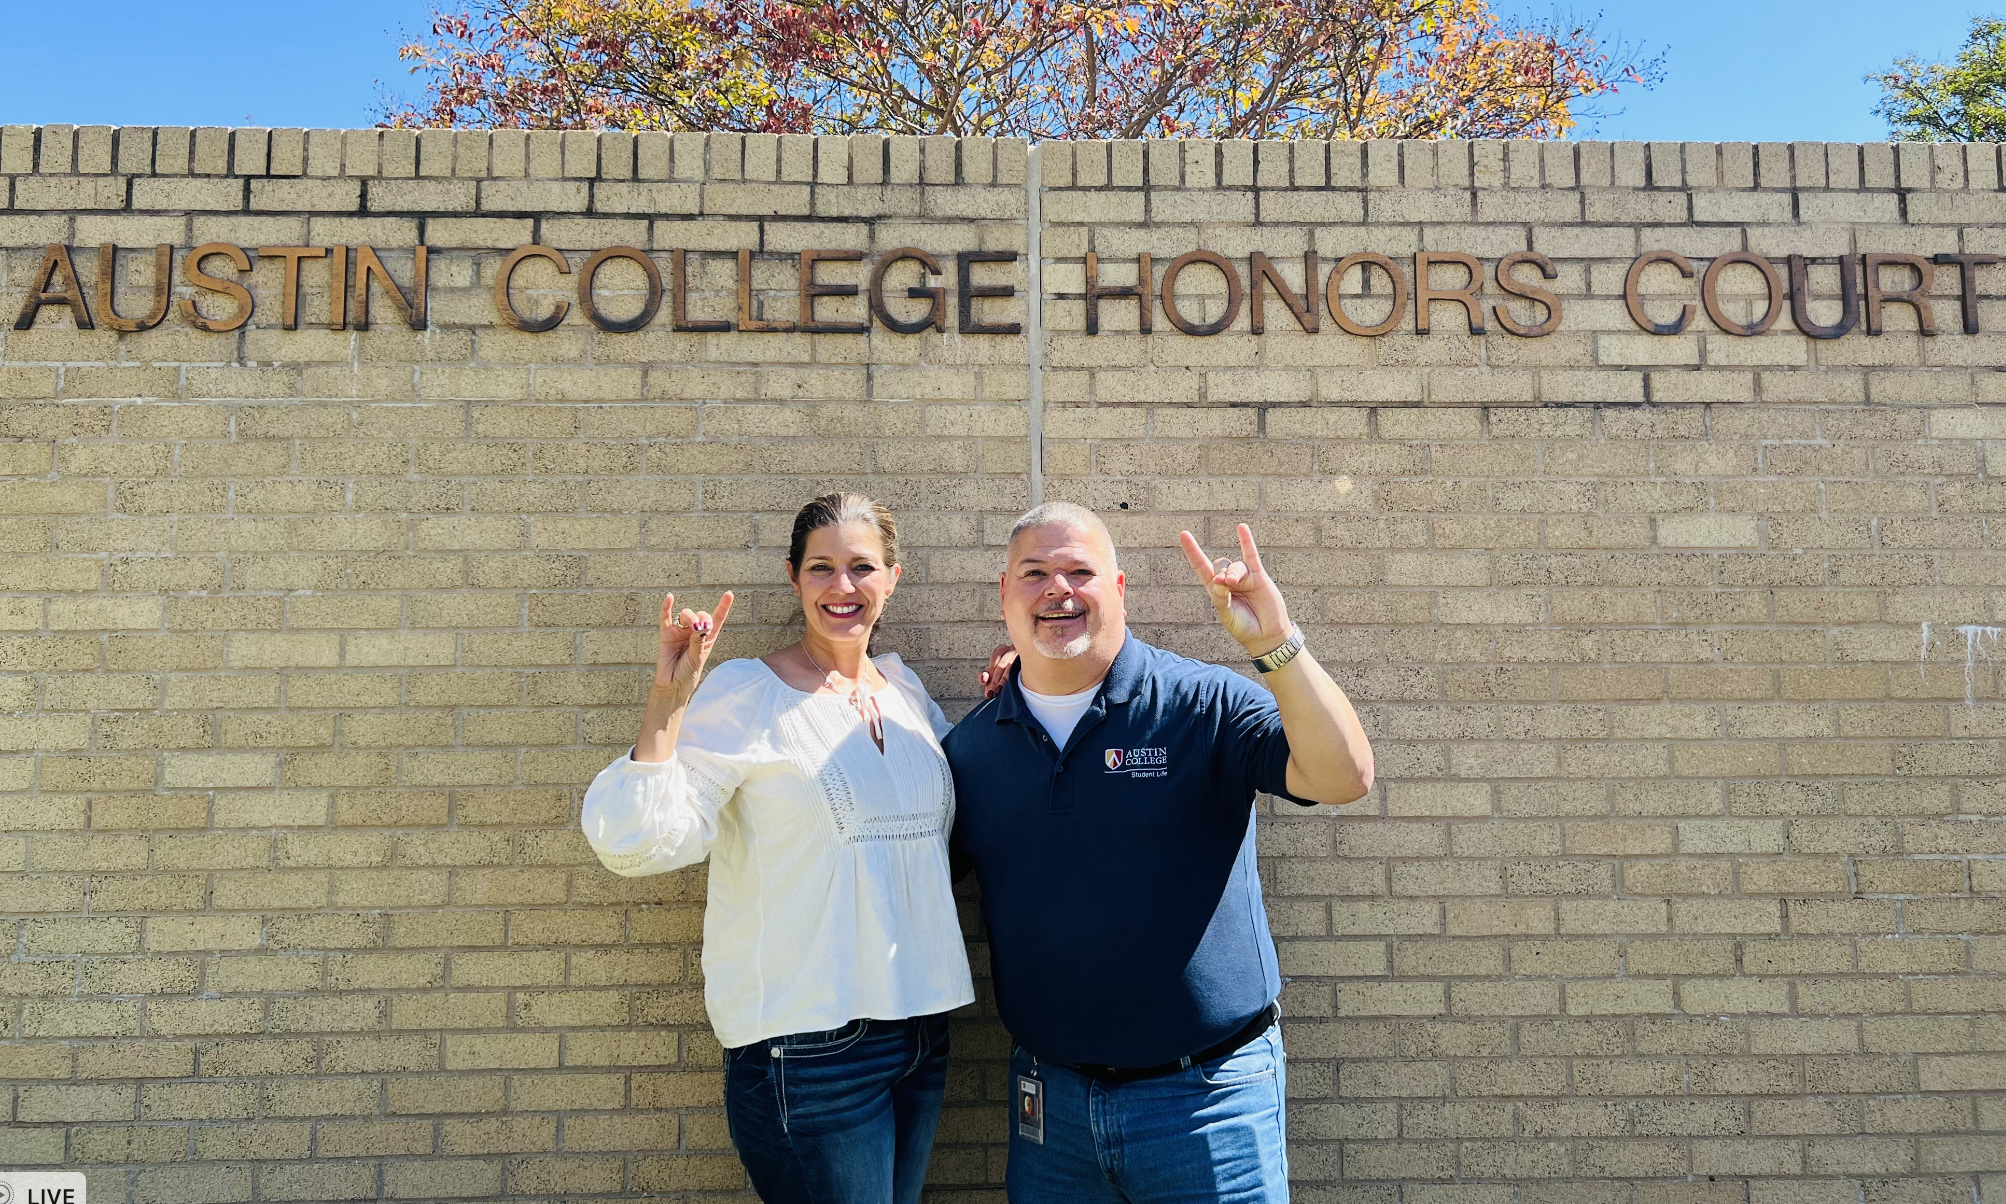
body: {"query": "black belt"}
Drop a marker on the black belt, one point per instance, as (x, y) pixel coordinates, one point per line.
(1124, 1074)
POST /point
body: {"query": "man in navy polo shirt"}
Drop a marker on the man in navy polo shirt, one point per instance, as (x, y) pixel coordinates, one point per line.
(1104, 798)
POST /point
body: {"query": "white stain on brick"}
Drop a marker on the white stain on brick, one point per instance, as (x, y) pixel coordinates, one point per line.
(1977, 639)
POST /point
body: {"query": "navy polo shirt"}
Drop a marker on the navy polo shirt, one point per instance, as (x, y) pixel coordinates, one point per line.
(1118, 880)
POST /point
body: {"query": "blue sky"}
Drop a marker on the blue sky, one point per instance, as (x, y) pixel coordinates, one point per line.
(1749, 70)
(1769, 70)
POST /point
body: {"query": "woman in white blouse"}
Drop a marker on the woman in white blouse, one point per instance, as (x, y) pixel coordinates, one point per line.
(813, 779)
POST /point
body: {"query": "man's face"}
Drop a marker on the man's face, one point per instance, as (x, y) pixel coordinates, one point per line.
(1062, 596)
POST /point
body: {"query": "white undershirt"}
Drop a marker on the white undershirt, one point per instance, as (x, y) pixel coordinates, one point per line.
(1059, 713)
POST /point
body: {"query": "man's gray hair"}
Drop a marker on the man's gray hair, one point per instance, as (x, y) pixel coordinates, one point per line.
(1072, 514)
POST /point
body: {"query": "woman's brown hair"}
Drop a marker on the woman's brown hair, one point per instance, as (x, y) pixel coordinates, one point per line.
(834, 509)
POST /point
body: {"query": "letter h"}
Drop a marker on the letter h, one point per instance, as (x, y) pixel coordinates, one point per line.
(1143, 290)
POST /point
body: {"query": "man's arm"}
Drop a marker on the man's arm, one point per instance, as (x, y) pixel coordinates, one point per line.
(1330, 760)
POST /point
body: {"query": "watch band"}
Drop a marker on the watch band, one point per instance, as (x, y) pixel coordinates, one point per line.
(1272, 660)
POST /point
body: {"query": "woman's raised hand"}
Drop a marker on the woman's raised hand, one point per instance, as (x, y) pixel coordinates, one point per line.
(686, 641)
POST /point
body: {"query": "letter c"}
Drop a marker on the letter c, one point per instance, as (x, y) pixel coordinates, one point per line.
(506, 307)
(1634, 301)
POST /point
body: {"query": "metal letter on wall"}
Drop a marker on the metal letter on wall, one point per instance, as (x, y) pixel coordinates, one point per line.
(936, 311)
(970, 292)
(679, 298)
(1800, 298)
(1968, 263)
(163, 286)
(289, 280)
(505, 305)
(1143, 290)
(1426, 294)
(1362, 260)
(811, 288)
(745, 319)
(56, 267)
(1710, 293)
(191, 271)
(1234, 292)
(1634, 301)
(1262, 269)
(590, 304)
(413, 308)
(1916, 296)
(1530, 292)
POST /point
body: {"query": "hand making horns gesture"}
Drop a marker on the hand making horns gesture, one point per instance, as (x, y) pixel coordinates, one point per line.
(687, 639)
(1249, 602)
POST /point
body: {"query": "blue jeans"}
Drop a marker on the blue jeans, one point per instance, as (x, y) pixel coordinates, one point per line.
(838, 1117)
(1213, 1132)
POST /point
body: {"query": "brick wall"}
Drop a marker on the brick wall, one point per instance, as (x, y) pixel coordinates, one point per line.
(1686, 880)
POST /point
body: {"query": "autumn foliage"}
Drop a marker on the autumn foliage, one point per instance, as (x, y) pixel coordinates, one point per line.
(1032, 68)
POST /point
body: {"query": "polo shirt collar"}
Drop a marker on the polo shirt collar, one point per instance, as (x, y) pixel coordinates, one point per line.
(1129, 670)
(1124, 679)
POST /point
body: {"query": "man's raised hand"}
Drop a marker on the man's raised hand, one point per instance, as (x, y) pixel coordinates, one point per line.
(686, 643)
(1248, 601)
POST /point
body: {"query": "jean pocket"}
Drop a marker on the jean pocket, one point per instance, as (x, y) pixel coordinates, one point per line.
(820, 1044)
(1250, 1063)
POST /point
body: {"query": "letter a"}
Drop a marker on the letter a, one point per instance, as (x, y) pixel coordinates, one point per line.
(56, 266)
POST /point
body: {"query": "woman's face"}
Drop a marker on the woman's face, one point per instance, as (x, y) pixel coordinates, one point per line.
(843, 580)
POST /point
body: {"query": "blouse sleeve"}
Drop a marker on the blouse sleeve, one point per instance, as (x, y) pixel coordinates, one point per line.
(900, 674)
(649, 818)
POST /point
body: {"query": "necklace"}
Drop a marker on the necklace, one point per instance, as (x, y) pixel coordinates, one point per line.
(860, 698)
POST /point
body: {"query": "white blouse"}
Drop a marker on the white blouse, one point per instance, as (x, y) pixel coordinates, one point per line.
(830, 894)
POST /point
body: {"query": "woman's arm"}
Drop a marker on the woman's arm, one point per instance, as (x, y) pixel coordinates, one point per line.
(652, 811)
(684, 644)
(652, 818)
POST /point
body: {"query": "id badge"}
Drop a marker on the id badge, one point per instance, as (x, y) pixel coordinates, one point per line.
(1030, 1109)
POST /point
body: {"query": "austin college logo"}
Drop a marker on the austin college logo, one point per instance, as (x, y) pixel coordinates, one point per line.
(1138, 762)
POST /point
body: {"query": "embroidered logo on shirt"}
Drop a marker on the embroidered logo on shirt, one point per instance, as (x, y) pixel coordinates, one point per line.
(1138, 762)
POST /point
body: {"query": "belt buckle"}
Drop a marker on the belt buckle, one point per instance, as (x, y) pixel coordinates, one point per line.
(1109, 1074)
